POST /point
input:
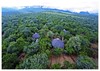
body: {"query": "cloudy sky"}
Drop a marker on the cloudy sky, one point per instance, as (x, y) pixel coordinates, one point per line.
(72, 5)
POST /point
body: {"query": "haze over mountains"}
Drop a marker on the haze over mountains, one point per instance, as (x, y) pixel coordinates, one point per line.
(30, 9)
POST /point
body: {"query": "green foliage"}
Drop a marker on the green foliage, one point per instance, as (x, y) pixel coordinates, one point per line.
(31, 49)
(56, 66)
(68, 65)
(39, 61)
(85, 62)
(5, 43)
(9, 61)
(48, 52)
(8, 32)
(50, 34)
(93, 52)
(44, 44)
(21, 43)
(85, 46)
(12, 48)
(26, 32)
(17, 47)
(12, 38)
(58, 27)
(84, 42)
(57, 51)
(77, 45)
(73, 45)
(17, 30)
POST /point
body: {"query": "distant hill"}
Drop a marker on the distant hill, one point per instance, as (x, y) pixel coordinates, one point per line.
(82, 12)
(32, 9)
(8, 10)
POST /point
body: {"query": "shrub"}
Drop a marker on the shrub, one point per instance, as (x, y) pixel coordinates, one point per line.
(12, 48)
(17, 47)
(8, 32)
(44, 44)
(12, 38)
(85, 62)
(48, 52)
(85, 47)
(68, 65)
(77, 45)
(21, 43)
(39, 61)
(5, 43)
(26, 32)
(32, 49)
(56, 66)
(9, 61)
(84, 43)
(57, 51)
(73, 45)
(50, 34)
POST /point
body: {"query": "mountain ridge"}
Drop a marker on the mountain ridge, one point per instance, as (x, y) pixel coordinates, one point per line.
(27, 9)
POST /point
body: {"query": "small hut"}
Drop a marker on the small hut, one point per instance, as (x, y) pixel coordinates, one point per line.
(57, 43)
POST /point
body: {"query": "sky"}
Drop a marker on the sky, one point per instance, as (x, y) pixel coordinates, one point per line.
(72, 5)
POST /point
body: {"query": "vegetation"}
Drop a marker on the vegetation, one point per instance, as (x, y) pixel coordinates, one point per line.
(35, 62)
(68, 65)
(57, 51)
(73, 45)
(56, 66)
(41, 35)
(85, 62)
(9, 61)
(77, 45)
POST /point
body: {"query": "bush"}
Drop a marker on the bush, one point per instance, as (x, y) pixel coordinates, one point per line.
(5, 43)
(73, 45)
(84, 44)
(48, 52)
(68, 65)
(57, 51)
(50, 34)
(21, 43)
(17, 47)
(77, 45)
(12, 48)
(44, 44)
(26, 32)
(85, 62)
(39, 61)
(12, 38)
(8, 32)
(31, 49)
(93, 52)
(56, 66)
(9, 61)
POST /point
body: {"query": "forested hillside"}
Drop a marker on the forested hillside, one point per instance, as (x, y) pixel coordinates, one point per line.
(49, 40)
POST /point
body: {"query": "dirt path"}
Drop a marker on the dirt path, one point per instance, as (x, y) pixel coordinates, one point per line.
(60, 59)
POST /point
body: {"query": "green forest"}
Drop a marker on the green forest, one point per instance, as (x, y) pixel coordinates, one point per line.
(49, 40)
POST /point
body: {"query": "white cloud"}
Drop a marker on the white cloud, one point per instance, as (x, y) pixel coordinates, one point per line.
(74, 5)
